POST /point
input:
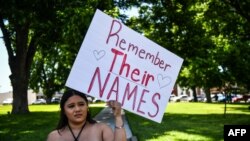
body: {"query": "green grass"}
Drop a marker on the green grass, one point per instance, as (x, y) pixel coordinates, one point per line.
(190, 122)
(181, 122)
(33, 126)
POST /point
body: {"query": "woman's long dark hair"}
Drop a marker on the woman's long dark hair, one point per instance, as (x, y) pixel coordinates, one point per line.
(63, 121)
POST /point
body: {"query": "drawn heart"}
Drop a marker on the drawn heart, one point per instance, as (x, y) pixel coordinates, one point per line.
(99, 54)
(163, 81)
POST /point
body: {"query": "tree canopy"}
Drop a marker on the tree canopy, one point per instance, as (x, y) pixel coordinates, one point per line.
(211, 35)
(38, 26)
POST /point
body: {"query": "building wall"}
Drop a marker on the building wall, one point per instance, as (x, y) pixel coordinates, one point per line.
(4, 96)
(31, 96)
(184, 91)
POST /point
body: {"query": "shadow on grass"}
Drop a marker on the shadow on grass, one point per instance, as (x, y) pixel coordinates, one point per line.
(34, 126)
(184, 127)
(242, 107)
(245, 109)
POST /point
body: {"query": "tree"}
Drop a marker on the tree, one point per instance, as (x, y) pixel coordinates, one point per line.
(230, 20)
(23, 26)
(177, 26)
(206, 33)
(50, 73)
(28, 26)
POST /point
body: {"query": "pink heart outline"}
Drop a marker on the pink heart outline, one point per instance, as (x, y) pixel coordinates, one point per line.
(163, 81)
(99, 54)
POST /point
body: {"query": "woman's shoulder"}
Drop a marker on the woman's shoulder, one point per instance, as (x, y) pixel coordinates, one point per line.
(104, 130)
(102, 125)
(53, 136)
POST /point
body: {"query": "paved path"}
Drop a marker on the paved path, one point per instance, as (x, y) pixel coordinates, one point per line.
(106, 116)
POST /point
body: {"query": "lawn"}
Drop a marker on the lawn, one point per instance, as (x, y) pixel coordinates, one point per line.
(181, 122)
(34, 126)
(190, 122)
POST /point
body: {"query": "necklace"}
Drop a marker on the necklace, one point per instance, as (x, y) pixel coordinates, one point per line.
(76, 138)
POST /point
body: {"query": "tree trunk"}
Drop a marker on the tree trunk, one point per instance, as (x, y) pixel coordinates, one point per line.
(194, 93)
(19, 81)
(225, 106)
(20, 62)
(19, 66)
(207, 91)
(20, 99)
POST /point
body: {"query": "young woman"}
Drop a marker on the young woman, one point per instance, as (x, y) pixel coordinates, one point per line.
(75, 123)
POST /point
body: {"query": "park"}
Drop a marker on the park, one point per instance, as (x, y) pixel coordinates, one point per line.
(188, 121)
(145, 55)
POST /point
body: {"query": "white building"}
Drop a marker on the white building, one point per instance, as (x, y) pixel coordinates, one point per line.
(6, 95)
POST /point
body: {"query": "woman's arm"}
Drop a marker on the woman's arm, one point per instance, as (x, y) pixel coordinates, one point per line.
(119, 133)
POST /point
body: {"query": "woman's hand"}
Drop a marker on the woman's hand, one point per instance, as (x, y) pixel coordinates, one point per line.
(116, 107)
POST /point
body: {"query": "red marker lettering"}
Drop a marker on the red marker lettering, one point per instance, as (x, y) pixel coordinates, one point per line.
(155, 103)
(129, 94)
(97, 75)
(114, 33)
(114, 88)
(141, 101)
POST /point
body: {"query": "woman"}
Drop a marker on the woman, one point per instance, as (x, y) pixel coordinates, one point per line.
(75, 123)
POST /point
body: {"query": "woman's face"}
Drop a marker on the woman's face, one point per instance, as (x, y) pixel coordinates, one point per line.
(76, 109)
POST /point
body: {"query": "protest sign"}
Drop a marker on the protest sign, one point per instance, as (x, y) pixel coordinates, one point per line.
(117, 63)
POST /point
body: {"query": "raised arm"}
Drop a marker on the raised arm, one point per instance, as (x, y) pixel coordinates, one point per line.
(119, 133)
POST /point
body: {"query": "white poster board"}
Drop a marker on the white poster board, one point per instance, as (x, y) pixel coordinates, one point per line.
(117, 63)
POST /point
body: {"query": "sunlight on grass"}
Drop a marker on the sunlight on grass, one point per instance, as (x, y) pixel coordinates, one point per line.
(41, 108)
(4, 131)
(97, 104)
(26, 132)
(190, 122)
(194, 108)
(205, 108)
(181, 122)
(34, 126)
(4, 109)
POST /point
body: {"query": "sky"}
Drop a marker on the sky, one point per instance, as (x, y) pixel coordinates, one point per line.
(5, 85)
